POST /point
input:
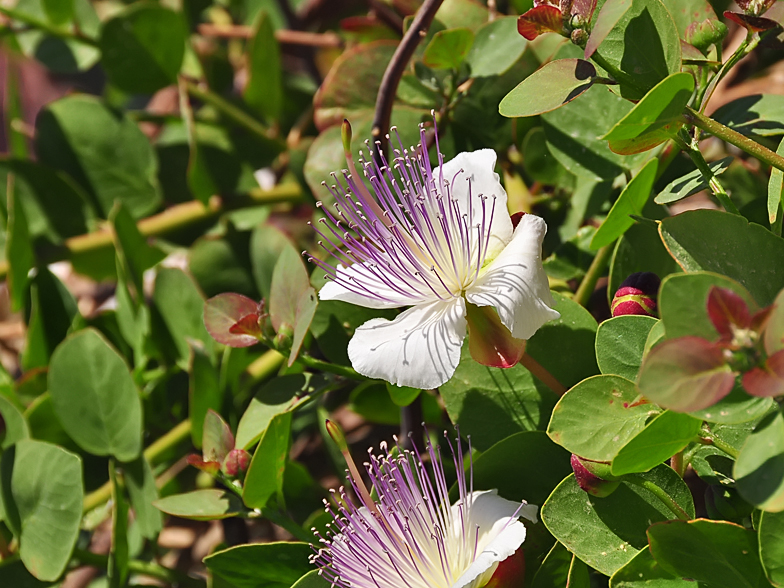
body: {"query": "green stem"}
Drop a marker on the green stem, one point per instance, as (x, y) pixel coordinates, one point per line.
(47, 28)
(266, 365)
(595, 271)
(237, 115)
(750, 146)
(660, 494)
(696, 156)
(324, 366)
(136, 566)
(616, 73)
(678, 464)
(709, 439)
(173, 219)
(153, 454)
(748, 45)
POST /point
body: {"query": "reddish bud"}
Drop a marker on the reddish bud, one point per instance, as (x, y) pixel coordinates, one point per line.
(236, 463)
(540, 19)
(337, 435)
(705, 33)
(510, 573)
(594, 477)
(755, 7)
(637, 295)
(489, 341)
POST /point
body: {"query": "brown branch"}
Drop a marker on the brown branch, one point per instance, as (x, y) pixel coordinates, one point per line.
(283, 36)
(397, 65)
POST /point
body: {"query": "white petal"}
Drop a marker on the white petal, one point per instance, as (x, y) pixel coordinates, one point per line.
(515, 282)
(500, 535)
(420, 348)
(369, 291)
(478, 167)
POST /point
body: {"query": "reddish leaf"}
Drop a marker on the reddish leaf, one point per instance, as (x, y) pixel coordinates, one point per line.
(489, 341)
(217, 439)
(727, 310)
(755, 24)
(225, 319)
(584, 8)
(685, 374)
(767, 380)
(745, 4)
(211, 467)
(538, 20)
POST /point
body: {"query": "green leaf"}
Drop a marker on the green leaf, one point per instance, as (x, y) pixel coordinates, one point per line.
(686, 12)
(507, 465)
(644, 44)
(775, 192)
(604, 21)
(19, 248)
(102, 149)
(94, 396)
(564, 347)
(181, 305)
(554, 84)
(265, 473)
(142, 48)
(759, 469)
(727, 244)
(132, 247)
(654, 118)
(15, 426)
(573, 132)
(664, 436)
(683, 302)
(771, 530)
(561, 568)
(685, 374)
(266, 246)
(737, 407)
(58, 11)
(774, 327)
(599, 416)
(204, 392)
(640, 249)
(630, 202)
(496, 48)
(620, 342)
(142, 492)
(718, 553)
(644, 572)
(273, 565)
(490, 404)
(759, 114)
(264, 90)
(43, 493)
(606, 533)
(462, 13)
(691, 183)
(217, 440)
(13, 571)
(312, 580)
(402, 395)
(117, 570)
(201, 505)
(447, 49)
(274, 398)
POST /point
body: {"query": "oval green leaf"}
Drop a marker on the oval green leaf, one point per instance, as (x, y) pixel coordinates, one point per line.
(94, 396)
(201, 505)
(551, 86)
(620, 342)
(759, 469)
(447, 49)
(599, 416)
(273, 565)
(771, 530)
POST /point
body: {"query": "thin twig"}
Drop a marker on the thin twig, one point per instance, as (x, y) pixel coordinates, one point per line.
(595, 271)
(397, 65)
(283, 36)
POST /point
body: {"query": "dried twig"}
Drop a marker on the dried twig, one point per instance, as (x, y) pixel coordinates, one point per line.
(396, 67)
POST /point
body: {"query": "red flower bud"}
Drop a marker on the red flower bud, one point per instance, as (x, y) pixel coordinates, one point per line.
(236, 463)
(637, 295)
(594, 477)
(510, 573)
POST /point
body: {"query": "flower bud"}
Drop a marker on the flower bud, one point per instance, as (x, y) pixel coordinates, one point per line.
(594, 477)
(284, 336)
(337, 435)
(236, 463)
(579, 37)
(510, 573)
(705, 33)
(637, 295)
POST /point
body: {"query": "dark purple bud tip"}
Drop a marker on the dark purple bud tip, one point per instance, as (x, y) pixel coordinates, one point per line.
(594, 477)
(637, 295)
(236, 463)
